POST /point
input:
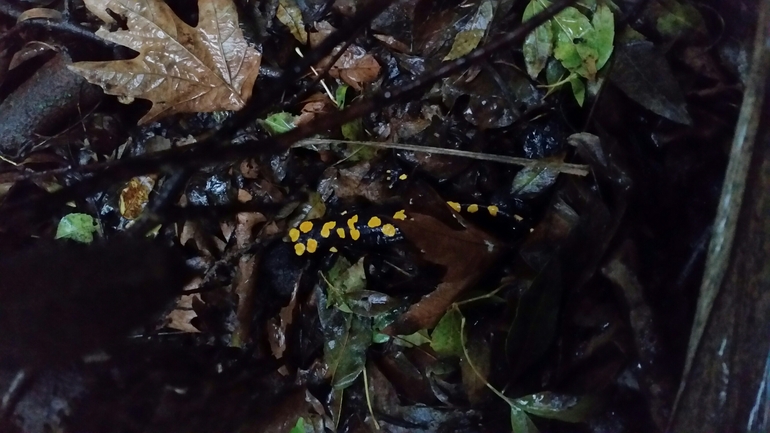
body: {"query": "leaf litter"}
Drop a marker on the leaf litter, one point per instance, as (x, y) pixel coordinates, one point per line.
(489, 296)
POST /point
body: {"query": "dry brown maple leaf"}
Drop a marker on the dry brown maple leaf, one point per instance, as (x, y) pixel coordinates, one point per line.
(179, 68)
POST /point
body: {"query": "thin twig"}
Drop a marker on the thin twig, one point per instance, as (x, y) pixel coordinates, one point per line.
(561, 167)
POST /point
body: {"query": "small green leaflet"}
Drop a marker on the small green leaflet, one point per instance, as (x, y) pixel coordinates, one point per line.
(339, 96)
(299, 427)
(278, 123)
(79, 227)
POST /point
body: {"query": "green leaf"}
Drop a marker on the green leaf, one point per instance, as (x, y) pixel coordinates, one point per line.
(346, 352)
(561, 407)
(538, 46)
(578, 89)
(468, 38)
(446, 339)
(299, 427)
(604, 34)
(520, 422)
(343, 279)
(278, 123)
(79, 227)
(573, 31)
(339, 96)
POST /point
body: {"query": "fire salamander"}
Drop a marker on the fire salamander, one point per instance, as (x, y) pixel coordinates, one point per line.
(371, 230)
(312, 236)
(380, 229)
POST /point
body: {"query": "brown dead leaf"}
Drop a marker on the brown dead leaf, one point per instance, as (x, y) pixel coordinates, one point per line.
(179, 68)
(465, 253)
(355, 67)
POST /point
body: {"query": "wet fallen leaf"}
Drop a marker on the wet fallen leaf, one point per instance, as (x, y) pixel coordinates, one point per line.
(538, 46)
(469, 37)
(533, 180)
(345, 348)
(643, 74)
(465, 253)
(179, 68)
(289, 14)
(79, 227)
(550, 405)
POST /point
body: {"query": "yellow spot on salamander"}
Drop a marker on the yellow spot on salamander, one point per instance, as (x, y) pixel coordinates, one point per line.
(352, 222)
(327, 228)
(299, 249)
(473, 208)
(454, 205)
(493, 210)
(355, 234)
(341, 233)
(312, 245)
(294, 235)
(333, 249)
(402, 177)
(389, 230)
(306, 226)
(400, 215)
(518, 218)
(374, 222)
